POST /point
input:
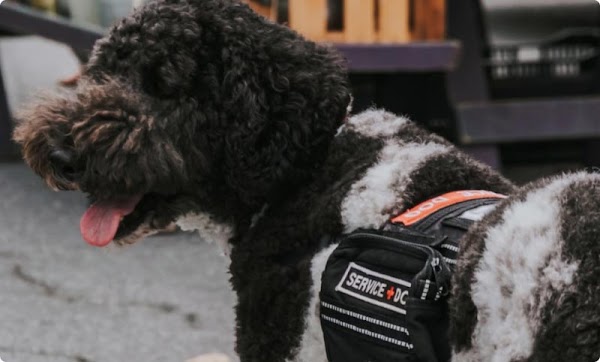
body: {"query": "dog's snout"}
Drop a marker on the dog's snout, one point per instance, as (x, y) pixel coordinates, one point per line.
(64, 164)
(61, 157)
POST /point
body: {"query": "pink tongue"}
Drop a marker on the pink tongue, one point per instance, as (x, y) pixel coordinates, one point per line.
(100, 222)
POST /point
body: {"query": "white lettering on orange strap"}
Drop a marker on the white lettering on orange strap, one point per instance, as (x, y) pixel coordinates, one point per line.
(424, 209)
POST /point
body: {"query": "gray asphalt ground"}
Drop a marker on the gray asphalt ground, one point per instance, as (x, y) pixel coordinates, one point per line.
(165, 299)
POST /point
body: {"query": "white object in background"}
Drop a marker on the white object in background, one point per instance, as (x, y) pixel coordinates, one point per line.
(30, 64)
(101, 12)
(212, 357)
(111, 11)
(529, 54)
(85, 11)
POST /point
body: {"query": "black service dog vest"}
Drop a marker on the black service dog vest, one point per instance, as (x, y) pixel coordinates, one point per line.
(383, 292)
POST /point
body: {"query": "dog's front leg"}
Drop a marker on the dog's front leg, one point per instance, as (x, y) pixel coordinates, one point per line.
(277, 310)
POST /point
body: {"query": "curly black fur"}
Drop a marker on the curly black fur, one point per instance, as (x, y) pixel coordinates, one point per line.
(465, 175)
(204, 107)
(244, 100)
(270, 270)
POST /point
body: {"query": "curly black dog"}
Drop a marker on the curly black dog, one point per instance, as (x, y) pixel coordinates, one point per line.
(202, 113)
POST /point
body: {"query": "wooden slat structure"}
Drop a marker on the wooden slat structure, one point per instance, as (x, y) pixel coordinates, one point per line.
(394, 21)
(264, 10)
(309, 17)
(365, 21)
(359, 21)
(429, 19)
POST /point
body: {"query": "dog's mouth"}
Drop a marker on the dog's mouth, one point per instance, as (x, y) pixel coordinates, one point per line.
(118, 219)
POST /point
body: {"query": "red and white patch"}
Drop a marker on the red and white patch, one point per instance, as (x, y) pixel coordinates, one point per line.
(374, 288)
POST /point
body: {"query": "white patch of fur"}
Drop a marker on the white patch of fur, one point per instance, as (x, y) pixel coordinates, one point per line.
(312, 347)
(209, 229)
(350, 105)
(376, 123)
(522, 259)
(256, 217)
(372, 198)
(476, 214)
(143, 231)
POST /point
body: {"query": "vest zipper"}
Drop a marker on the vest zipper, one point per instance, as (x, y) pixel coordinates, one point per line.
(435, 262)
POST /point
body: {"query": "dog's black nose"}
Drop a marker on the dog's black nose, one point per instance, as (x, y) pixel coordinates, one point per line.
(63, 162)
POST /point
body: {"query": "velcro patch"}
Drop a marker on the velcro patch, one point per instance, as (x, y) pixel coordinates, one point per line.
(429, 207)
(374, 288)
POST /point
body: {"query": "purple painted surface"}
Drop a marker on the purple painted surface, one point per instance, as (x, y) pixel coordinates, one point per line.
(409, 57)
(533, 120)
(488, 154)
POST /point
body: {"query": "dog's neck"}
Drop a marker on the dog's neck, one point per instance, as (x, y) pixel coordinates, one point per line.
(210, 230)
(377, 165)
(297, 208)
(353, 188)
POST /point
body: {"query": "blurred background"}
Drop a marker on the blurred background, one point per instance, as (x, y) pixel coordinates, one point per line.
(515, 83)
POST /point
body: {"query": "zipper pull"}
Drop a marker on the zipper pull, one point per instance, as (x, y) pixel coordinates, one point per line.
(435, 263)
(437, 269)
(440, 276)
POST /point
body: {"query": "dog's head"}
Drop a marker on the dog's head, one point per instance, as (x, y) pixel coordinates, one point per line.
(187, 107)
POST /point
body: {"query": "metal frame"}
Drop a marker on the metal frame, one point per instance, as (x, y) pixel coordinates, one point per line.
(483, 123)
(539, 120)
(6, 145)
(20, 19)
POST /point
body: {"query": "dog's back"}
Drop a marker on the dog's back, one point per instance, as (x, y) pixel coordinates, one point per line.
(379, 165)
(526, 287)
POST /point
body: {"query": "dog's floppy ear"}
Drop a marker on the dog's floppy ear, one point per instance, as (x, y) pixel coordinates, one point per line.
(259, 156)
(283, 120)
